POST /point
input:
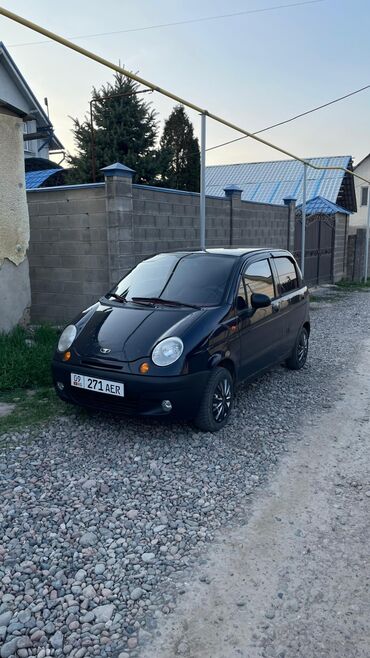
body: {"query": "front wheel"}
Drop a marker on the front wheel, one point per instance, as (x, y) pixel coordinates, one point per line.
(217, 401)
(299, 355)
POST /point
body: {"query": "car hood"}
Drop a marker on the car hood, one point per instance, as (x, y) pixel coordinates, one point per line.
(130, 332)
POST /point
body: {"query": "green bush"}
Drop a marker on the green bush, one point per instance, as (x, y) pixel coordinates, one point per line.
(25, 357)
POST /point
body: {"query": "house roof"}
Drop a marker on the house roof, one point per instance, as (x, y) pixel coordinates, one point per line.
(361, 161)
(319, 205)
(35, 179)
(271, 182)
(23, 97)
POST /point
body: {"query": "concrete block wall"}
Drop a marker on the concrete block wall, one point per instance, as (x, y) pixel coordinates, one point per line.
(166, 220)
(84, 238)
(261, 225)
(68, 250)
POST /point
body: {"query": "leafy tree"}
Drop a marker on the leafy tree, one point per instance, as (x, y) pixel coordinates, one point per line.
(125, 130)
(179, 155)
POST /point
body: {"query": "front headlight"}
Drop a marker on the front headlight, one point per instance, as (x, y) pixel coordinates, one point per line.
(167, 351)
(67, 337)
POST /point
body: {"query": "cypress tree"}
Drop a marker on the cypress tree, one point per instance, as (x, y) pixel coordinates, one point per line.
(179, 153)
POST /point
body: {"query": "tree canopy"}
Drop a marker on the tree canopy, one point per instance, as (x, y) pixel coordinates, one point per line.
(179, 153)
(125, 130)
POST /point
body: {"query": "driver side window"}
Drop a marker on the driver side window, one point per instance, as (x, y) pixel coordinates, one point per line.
(257, 278)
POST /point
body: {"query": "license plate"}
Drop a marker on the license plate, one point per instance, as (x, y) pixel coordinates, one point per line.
(97, 385)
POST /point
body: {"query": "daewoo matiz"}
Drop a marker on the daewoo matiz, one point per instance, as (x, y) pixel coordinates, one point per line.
(176, 335)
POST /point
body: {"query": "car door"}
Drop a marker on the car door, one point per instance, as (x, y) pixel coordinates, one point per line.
(291, 299)
(256, 326)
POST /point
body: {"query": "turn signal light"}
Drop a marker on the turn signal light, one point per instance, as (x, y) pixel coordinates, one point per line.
(66, 356)
(144, 368)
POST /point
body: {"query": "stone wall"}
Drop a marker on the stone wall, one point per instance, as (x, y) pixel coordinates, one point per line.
(85, 237)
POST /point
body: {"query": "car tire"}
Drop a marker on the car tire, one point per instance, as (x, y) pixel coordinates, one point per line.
(217, 401)
(299, 355)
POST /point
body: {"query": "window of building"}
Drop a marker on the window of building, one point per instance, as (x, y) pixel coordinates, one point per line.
(364, 195)
(258, 279)
(26, 130)
(287, 274)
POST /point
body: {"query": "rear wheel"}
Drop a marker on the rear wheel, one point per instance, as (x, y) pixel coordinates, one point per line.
(217, 401)
(299, 355)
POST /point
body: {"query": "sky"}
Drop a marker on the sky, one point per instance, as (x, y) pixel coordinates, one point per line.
(254, 69)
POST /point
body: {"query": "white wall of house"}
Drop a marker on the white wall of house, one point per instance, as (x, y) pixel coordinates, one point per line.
(362, 194)
(12, 94)
(15, 91)
(15, 293)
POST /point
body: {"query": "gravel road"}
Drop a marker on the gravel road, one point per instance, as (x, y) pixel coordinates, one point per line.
(105, 523)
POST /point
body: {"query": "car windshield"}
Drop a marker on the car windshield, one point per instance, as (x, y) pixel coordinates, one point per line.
(195, 279)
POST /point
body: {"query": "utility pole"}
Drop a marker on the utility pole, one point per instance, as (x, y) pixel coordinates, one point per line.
(202, 200)
(303, 235)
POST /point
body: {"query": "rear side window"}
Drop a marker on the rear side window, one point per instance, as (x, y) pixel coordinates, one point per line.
(287, 274)
(258, 279)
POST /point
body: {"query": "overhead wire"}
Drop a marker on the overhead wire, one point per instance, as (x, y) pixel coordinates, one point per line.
(178, 99)
(175, 23)
(297, 116)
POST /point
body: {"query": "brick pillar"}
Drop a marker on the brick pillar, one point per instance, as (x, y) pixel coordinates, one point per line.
(234, 194)
(290, 202)
(120, 230)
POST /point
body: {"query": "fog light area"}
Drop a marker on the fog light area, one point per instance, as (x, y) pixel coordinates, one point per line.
(166, 405)
(60, 386)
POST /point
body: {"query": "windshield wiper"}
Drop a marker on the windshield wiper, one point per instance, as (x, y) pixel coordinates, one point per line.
(119, 298)
(158, 300)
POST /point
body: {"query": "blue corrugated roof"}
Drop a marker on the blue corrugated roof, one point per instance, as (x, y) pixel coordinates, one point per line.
(271, 182)
(35, 179)
(320, 205)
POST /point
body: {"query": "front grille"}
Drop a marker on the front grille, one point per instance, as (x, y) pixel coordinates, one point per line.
(111, 403)
(101, 365)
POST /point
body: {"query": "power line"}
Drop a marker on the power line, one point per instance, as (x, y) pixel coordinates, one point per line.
(297, 116)
(185, 22)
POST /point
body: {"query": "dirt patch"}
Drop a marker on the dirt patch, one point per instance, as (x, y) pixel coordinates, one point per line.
(292, 581)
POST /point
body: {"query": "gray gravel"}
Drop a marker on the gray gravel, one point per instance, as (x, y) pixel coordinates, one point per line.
(102, 519)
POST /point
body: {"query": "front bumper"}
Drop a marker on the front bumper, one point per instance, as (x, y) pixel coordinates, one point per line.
(143, 394)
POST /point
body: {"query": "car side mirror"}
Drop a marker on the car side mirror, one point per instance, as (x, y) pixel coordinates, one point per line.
(260, 301)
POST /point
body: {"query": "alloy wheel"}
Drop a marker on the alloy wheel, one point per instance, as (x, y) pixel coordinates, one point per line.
(302, 347)
(221, 403)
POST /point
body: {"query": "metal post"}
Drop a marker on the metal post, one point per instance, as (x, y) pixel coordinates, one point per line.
(303, 237)
(202, 200)
(92, 137)
(367, 236)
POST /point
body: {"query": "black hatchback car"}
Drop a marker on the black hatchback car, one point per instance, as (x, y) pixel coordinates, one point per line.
(176, 334)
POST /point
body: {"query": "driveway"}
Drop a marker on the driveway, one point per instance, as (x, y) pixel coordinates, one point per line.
(108, 525)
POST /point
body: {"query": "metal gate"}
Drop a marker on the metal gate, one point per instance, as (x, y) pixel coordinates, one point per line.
(318, 261)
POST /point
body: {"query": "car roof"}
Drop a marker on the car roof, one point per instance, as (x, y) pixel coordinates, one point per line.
(237, 252)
